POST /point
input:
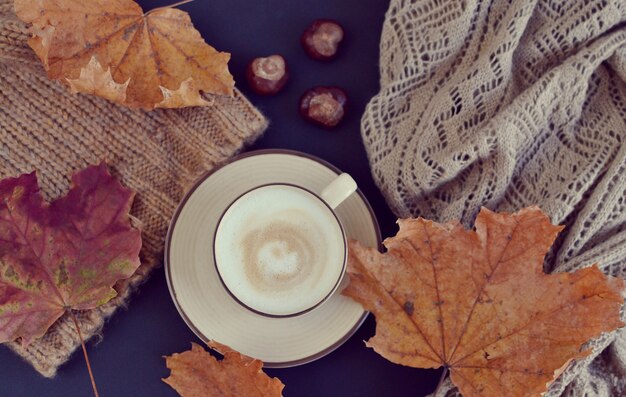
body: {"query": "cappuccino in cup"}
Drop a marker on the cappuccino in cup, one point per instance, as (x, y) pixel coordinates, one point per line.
(280, 250)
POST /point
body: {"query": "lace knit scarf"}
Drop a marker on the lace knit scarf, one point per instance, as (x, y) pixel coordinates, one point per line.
(506, 104)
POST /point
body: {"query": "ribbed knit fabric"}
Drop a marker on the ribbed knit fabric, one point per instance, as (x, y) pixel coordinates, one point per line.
(506, 104)
(158, 154)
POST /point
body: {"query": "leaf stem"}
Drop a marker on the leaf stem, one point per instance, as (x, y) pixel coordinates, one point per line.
(82, 342)
(180, 3)
(443, 377)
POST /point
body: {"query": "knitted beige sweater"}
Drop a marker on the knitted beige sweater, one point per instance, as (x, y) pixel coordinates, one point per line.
(507, 104)
(158, 154)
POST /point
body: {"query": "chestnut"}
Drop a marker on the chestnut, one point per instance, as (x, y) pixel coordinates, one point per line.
(324, 106)
(322, 38)
(267, 75)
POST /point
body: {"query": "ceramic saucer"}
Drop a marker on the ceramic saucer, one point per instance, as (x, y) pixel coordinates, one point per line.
(200, 297)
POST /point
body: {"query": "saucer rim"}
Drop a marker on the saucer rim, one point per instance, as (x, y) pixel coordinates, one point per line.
(183, 202)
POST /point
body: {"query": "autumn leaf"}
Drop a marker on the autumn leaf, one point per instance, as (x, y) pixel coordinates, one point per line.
(479, 304)
(195, 373)
(63, 255)
(110, 48)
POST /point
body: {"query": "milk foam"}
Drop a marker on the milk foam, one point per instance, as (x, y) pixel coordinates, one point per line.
(279, 250)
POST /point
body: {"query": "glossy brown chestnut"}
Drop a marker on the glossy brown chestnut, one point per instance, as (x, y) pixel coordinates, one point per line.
(324, 106)
(322, 38)
(267, 75)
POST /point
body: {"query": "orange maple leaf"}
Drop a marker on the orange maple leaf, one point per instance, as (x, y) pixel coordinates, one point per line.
(195, 373)
(479, 304)
(110, 48)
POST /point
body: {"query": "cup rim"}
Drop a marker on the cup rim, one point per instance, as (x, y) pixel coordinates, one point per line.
(343, 266)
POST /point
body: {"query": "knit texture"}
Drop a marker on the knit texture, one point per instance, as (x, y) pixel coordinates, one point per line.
(507, 104)
(158, 154)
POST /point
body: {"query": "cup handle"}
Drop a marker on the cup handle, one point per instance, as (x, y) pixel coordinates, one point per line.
(338, 190)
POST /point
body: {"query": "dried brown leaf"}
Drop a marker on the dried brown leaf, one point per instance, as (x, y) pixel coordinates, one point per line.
(479, 303)
(110, 48)
(196, 373)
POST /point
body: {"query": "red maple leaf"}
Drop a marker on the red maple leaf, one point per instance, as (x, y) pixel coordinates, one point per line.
(64, 255)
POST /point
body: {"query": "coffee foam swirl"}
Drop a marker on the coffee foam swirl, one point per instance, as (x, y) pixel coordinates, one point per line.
(282, 255)
(279, 250)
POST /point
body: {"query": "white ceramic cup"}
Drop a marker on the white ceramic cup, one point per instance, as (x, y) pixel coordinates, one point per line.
(280, 250)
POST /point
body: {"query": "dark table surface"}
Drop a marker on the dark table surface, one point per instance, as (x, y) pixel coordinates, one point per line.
(128, 361)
